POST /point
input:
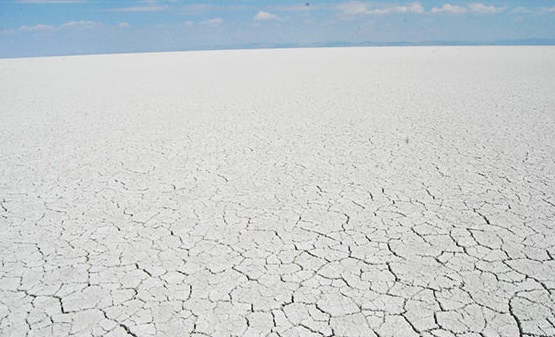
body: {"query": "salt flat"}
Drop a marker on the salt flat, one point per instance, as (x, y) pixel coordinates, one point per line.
(307, 192)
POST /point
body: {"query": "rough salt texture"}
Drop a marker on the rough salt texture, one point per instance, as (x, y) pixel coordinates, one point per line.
(324, 192)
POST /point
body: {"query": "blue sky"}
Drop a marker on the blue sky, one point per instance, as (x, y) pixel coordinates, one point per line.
(66, 27)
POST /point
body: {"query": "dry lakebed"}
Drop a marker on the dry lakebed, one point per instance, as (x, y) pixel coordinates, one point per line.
(386, 191)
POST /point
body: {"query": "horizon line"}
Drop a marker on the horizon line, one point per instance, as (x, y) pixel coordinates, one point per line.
(527, 42)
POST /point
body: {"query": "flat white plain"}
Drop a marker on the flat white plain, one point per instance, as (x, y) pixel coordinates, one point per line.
(326, 192)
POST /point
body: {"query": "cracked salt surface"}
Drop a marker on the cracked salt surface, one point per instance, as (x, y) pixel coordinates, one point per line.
(322, 192)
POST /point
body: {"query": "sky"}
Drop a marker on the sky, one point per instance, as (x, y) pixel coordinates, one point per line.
(69, 27)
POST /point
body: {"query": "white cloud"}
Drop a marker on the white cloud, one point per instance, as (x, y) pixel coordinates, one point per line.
(123, 25)
(485, 9)
(412, 8)
(358, 8)
(36, 28)
(521, 10)
(354, 8)
(77, 24)
(549, 10)
(264, 16)
(205, 8)
(477, 8)
(450, 9)
(372, 8)
(212, 22)
(67, 25)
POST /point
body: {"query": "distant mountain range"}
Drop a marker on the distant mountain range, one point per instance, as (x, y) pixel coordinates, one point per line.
(513, 42)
